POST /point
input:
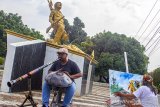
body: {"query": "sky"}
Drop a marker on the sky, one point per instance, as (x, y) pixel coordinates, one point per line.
(120, 16)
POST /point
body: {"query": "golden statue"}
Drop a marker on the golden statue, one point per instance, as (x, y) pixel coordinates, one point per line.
(73, 48)
(56, 19)
(131, 86)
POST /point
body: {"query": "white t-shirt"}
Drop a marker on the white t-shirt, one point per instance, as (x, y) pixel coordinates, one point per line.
(147, 97)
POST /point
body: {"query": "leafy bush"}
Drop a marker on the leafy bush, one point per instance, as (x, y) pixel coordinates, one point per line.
(158, 87)
(156, 80)
(1, 61)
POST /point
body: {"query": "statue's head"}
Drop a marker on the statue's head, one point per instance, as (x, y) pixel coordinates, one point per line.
(58, 5)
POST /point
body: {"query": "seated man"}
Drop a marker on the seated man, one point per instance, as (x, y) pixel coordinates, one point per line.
(71, 68)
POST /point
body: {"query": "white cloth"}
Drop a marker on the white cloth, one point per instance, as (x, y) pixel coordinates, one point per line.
(147, 97)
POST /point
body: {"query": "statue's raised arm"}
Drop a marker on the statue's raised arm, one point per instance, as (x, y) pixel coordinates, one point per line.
(50, 3)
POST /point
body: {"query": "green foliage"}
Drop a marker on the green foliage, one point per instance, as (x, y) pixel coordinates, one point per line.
(75, 31)
(3, 44)
(87, 46)
(156, 80)
(13, 22)
(1, 61)
(109, 51)
(109, 61)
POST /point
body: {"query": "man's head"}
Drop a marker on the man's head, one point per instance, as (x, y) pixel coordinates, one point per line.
(147, 79)
(58, 5)
(63, 54)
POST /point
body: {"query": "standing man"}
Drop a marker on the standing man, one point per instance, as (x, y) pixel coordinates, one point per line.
(71, 68)
(56, 19)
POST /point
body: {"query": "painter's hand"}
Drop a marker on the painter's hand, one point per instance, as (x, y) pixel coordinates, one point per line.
(118, 94)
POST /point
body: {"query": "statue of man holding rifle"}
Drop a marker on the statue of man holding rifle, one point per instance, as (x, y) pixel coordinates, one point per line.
(56, 19)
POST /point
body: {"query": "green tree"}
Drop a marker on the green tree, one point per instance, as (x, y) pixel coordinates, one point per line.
(3, 44)
(109, 51)
(156, 80)
(14, 22)
(75, 31)
(87, 46)
(155, 74)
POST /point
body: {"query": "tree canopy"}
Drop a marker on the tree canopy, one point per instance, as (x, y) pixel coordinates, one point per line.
(155, 74)
(109, 51)
(14, 22)
(75, 31)
(156, 80)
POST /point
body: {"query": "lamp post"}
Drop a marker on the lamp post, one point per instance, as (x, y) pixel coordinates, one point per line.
(126, 61)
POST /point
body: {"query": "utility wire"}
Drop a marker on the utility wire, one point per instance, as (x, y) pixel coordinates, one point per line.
(152, 36)
(149, 24)
(151, 31)
(146, 18)
(154, 51)
(153, 43)
(154, 47)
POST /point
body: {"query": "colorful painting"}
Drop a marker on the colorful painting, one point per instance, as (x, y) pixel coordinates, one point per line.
(123, 82)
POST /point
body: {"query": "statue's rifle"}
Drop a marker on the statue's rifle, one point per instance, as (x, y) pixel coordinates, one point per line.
(29, 74)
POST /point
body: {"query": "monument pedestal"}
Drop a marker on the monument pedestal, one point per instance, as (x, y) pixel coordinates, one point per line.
(21, 58)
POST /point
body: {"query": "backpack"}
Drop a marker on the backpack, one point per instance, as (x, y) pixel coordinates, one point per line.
(58, 79)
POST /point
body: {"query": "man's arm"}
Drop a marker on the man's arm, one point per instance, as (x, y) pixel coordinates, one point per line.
(76, 72)
(75, 76)
(128, 96)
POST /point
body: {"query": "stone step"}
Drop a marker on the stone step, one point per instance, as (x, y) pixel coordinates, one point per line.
(76, 104)
(76, 101)
(97, 96)
(100, 93)
(84, 99)
(100, 84)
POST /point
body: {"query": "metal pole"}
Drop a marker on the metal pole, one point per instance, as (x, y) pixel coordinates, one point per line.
(126, 61)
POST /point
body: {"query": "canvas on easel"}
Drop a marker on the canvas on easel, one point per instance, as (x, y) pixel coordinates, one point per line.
(122, 82)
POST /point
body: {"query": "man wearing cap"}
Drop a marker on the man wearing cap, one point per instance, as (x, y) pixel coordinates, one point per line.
(71, 68)
(147, 93)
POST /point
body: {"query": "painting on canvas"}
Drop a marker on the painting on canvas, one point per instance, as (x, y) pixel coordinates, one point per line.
(123, 82)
